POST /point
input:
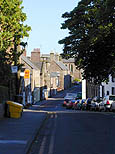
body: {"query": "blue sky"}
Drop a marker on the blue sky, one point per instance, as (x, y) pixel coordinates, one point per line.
(44, 17)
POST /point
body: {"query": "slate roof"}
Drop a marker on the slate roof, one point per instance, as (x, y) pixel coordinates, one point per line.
(38, 64)
(70, 60)
(29, 62)
(61, 65)
(45, 55)
(54, 74)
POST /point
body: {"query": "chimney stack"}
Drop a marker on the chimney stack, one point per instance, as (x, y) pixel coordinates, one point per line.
(35, 55)
(51, 56)
(57, 57)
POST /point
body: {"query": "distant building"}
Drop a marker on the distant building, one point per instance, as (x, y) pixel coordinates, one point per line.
(89, 89)
(74, 72)
(108, 88)
(54, 74)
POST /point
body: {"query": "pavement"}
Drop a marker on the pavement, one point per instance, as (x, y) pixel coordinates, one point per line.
(17, 135)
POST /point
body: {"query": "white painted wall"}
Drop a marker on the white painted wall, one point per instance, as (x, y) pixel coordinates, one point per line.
(107, 86)
(84, 89)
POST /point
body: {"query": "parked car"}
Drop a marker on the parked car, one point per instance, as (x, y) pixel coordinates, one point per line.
(79, 105)
(101, 106)
(112, 106)
(108, 100)
(95, 103)
(76, 104)
(108, 103)
(68, 97)
(69, 105)
(88, 101)
(93, 106)
(84, 104)
(64, 103)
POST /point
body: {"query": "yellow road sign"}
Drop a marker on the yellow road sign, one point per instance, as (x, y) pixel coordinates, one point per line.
(26, 74)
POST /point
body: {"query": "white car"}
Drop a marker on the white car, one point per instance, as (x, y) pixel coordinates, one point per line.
(68, 97)
(112, 108)
(108, 102)
(101, 106)
(95, 103)
(71, 96)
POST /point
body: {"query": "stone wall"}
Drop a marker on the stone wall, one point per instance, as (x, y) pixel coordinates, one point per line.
(2, 110)
(4, 96)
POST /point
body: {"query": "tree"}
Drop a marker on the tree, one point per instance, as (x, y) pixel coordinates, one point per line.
(91, 39)
(12, 32)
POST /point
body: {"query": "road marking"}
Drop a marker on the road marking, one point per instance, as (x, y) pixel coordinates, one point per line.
(51, 145)
(13, 142)
(53, 132)
(42, 147)
(107, 114)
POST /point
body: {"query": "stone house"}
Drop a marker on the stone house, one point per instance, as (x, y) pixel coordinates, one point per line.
(55, 66)
(64, 78)
(31, 85)
(54, 74)
(74, 72)
(44, 77)
(54, 82)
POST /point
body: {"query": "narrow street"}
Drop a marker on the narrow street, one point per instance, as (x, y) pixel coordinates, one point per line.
(74, 132)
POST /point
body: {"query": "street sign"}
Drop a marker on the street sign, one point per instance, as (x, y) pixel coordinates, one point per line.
(14, 69)
(26, 74)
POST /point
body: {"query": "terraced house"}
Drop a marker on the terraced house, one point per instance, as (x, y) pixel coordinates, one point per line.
(49, 73)
(55, 75)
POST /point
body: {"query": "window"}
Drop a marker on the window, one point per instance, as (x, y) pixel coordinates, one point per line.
(72, 68)
(113, 90)
(107, 92)
(69, 66)
(103, 91)
(57, 82)
(113, 79)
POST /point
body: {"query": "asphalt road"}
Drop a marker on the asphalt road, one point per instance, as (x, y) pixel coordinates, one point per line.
(75, 132)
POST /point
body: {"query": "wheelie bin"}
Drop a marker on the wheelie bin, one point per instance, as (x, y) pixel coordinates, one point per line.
(15, 109)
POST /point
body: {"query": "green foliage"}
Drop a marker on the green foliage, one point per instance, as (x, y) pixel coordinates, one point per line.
(12, 31)
(91, 39)
(76, 79)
